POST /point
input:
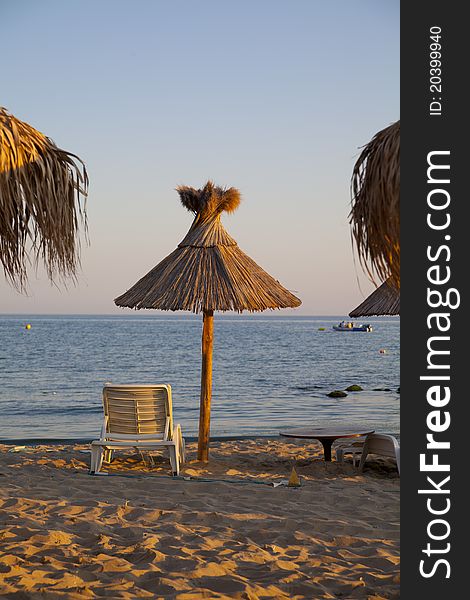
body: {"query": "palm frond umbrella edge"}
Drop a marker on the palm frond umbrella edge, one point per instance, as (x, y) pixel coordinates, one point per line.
(42, 202)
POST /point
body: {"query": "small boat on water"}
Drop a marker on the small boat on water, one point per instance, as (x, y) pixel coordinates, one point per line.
(350, 326)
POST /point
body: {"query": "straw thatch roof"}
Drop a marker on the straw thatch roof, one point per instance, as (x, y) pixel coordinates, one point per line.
(208, 271)
(375, 213)
(385, 300)
(41, 191)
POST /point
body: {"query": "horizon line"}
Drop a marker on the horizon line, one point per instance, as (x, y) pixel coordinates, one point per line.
(185, 314)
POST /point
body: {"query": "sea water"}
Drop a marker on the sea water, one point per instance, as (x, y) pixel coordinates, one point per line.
(269, 372)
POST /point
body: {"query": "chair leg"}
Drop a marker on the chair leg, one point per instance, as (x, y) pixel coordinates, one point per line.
(181, 444)
(339, 455)
(96, 459)
(107, 455)
(174, 460)
(363, 460)
(142, 456)
(92, 460)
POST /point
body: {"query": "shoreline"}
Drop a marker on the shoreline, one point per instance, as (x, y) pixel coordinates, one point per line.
(81, 441)
(189, 439)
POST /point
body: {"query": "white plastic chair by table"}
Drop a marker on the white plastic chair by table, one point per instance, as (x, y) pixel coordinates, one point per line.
(384, 445)
(378, 443)
(140, 417)
(355, 449)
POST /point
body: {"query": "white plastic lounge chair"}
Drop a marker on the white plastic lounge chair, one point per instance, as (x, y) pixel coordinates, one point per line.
(140, 417)
(379, 443)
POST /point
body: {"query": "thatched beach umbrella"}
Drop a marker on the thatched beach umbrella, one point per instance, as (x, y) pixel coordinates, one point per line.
(41, 191)
(385, 300)
(375, 213)
(207, 272)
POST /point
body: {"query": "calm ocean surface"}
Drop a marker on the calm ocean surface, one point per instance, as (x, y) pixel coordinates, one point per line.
(269, 372)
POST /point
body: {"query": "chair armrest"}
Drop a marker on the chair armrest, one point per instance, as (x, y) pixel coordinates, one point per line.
(103, 429)
(168, 435)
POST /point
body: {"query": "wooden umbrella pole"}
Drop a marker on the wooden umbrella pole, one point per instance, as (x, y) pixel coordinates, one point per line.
(206, 386)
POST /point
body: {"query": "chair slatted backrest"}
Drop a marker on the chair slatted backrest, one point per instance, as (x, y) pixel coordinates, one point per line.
(137, 409)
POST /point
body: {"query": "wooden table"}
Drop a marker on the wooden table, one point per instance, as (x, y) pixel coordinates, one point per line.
(326, 436)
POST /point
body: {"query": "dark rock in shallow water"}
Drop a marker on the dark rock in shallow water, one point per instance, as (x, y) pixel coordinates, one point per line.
(337, 394)
(354, 388)
(381, 390)
(398, 390)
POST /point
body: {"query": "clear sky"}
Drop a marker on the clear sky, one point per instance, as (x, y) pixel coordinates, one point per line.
(273, 97)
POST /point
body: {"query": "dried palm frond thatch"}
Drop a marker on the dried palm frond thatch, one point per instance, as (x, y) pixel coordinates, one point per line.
(385, 300)
(375, 213)
(207, 272)
(42, 192)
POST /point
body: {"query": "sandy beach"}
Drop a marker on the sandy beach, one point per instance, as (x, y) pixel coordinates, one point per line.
(223, 532)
